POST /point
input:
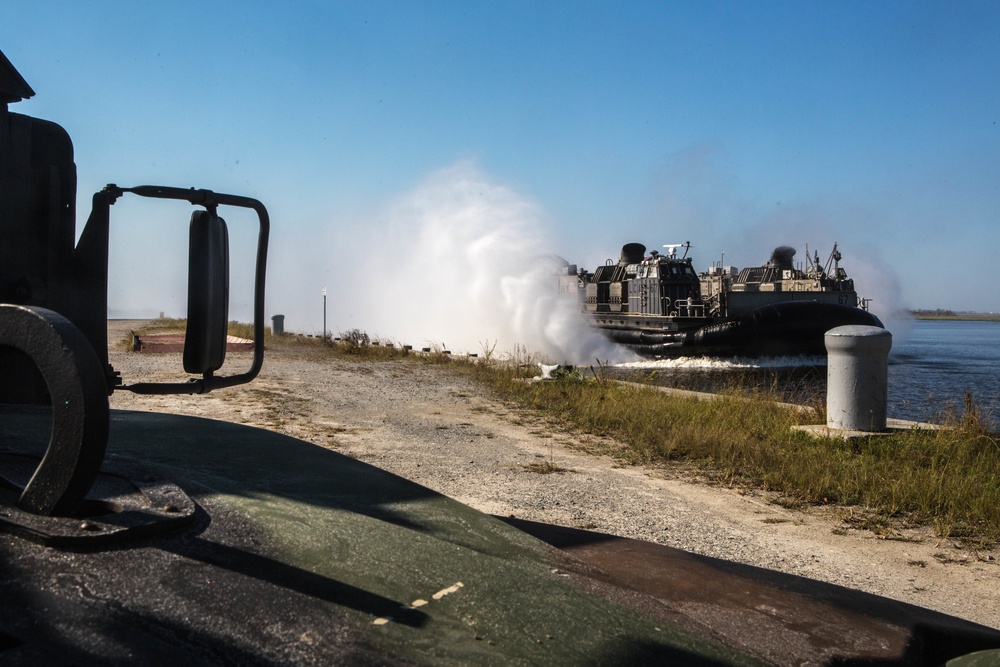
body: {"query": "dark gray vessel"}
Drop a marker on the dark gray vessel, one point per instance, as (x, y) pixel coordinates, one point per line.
(658, 305)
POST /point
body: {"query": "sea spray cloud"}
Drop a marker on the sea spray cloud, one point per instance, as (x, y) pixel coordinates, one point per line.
(875, 280)
(551, 323)
(459, 263)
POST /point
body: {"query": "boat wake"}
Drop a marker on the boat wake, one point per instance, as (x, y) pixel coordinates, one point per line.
(732, 363)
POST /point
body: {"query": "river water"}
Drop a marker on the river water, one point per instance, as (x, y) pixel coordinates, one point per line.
(931, 367)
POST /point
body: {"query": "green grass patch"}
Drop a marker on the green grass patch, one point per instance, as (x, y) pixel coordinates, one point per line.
(948, 479)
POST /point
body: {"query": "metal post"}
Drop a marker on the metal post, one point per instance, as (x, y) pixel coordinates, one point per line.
(857, 372)
(324, 313)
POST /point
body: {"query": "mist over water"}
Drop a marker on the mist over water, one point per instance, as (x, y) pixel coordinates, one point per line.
(463, 263)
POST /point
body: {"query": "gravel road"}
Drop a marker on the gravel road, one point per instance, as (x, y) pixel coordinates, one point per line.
(436, 428)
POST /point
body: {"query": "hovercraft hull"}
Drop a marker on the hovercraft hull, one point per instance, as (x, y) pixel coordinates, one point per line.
(789, 328)
(781, 329)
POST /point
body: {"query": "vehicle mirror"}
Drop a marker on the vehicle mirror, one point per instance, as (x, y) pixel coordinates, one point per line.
(208, 294)
(208, 287)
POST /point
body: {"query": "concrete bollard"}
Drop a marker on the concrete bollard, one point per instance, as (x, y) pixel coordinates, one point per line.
(277, 324)
(857, 371)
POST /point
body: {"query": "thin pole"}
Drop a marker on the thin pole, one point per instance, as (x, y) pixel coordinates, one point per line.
(324, 313)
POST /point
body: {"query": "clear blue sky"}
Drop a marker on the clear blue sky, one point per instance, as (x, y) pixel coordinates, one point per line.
(735, 125)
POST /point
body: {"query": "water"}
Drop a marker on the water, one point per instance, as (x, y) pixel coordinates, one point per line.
(931, 367)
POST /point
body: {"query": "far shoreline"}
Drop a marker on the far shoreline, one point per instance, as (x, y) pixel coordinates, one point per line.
(955, 317)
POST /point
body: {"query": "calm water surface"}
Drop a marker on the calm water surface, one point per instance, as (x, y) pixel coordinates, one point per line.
(931, 366)
(935, 363)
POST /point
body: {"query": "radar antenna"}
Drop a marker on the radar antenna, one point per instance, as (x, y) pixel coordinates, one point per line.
(672, 247)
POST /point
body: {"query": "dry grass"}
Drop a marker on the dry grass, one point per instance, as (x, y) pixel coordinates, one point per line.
(949, 479)
(544, 467)
(354, 344)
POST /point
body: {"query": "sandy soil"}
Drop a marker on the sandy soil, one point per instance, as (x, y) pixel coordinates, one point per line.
(431, 426)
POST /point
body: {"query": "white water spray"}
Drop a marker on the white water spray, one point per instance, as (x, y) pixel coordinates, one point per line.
(461, 264)
(725, 364)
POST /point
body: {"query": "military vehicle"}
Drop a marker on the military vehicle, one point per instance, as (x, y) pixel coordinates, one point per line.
(155, 539)
(658, 305)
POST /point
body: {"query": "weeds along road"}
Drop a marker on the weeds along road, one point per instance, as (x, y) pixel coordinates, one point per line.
(435, 427)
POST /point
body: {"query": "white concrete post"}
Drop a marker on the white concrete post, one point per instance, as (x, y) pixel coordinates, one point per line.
(857, 371)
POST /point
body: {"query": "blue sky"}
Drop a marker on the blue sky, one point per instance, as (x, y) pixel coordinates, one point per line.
(738, 126)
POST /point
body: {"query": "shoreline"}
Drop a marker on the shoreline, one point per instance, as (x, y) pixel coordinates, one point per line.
(958, 317)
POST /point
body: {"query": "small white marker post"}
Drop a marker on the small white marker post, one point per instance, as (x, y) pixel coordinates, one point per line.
(324, 313)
